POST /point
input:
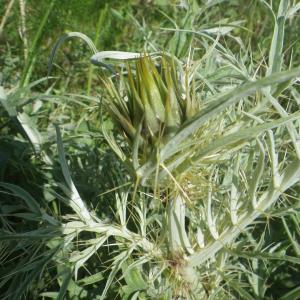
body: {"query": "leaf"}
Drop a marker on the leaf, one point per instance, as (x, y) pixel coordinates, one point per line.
(291, 295)
(178, 238)
(10, 103)
(265, 256)
(36, 268)
(292, 238)
(76, 202)
(237, 286)
(291, 129)
(293, 10)
(217, 104)
(133, 278)
(222, 29)
(258, 172)
(240, 137)
(21, 193)
(3, 100)
(51, 295)
(290, 176)
(38, 234)
(113, 144)
(275, 56)
(91, 279)
(119, 55)
(136, 144)
(33, 134)
(87, 253)
(66, 37)
(64, 286)
(183, 237)
(118, 261)
(148, 70)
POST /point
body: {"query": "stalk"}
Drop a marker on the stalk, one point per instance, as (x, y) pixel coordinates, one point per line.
(176, 223)
(5, 17)
(23, 30)
(100, 24)
(32, 53)
(179, 243)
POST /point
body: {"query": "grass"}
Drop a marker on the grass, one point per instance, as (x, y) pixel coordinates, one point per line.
(167, 168)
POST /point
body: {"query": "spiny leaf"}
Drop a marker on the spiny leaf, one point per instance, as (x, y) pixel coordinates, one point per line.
(217, 104)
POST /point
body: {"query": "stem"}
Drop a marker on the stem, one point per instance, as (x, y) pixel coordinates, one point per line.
(31, 55)
(178, 238)
(7, 12)
(176, 210)
(23, 27)
(100, 23)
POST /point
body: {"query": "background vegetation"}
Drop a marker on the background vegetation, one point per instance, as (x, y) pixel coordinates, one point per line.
(45, 252)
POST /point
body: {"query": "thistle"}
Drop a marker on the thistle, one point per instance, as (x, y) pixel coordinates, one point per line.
(149, 104)
(211, 143)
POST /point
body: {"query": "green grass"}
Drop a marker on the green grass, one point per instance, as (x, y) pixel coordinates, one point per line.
(165, 166)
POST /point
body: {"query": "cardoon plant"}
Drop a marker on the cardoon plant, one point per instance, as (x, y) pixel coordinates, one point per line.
(211, 157)
(209, 151)
(212, 145)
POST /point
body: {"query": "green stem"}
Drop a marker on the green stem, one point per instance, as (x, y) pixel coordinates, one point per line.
(178, 237)
(100, 23)
(27, 71)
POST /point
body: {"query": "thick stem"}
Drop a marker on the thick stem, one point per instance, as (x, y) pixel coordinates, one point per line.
(178, 237)
(175, 221)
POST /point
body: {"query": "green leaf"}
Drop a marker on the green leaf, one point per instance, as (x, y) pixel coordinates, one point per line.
(87, 253)
(51, 295)
(265, 256)
(113, 144)
(291, 295)
(117, 264)
(242, 136)
(66, 37)
(36, 268)
(21, 193)
(217, 104)
(257, 174)
(237, 286)
(64, 286)
(148, 70)
(290, 176)
(292, 238)
(293, 10)
(7, 106)
(91, 279)
(38, 234)
(275, 56)
(222, 143)
(133, 278)
(76, 202)
(31, 131)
